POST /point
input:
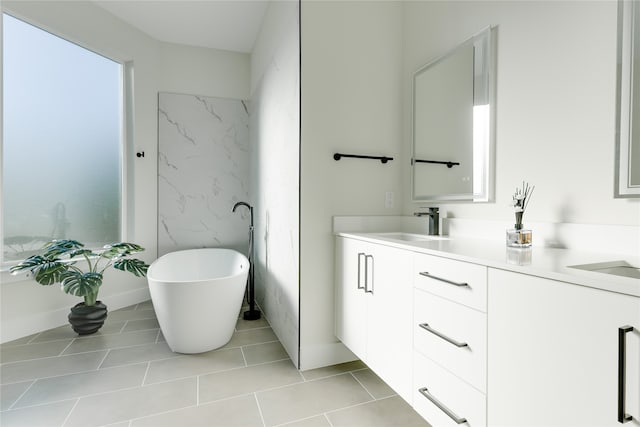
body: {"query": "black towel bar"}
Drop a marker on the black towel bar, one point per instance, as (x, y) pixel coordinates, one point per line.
(383, 159)
(449, 164)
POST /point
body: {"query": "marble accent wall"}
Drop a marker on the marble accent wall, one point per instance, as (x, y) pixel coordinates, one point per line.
(203, 170)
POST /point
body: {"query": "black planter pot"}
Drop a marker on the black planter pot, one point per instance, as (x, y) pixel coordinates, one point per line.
(87, 320)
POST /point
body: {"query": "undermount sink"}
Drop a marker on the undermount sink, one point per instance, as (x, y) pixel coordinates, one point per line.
(618, 268)
(410, 237)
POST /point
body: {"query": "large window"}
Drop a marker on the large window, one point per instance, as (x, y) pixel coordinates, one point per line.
(62, 142)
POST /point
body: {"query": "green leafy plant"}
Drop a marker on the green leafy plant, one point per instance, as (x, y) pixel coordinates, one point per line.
(59, 264)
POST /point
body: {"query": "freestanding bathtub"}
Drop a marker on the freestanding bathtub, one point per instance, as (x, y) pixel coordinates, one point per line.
(197, 295)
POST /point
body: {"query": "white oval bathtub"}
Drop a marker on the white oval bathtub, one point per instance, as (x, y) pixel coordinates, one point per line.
(197, 295)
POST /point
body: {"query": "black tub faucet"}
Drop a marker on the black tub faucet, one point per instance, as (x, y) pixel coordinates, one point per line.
(248, 206)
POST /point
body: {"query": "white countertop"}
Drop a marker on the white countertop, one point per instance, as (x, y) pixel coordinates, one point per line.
(550, 263)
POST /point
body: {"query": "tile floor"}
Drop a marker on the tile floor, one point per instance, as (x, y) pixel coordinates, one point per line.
(126, 376)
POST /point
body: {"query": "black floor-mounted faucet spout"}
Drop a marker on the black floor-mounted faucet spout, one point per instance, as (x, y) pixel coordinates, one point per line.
(248, 207)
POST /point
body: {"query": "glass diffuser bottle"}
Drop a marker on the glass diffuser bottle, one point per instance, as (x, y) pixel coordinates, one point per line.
(518, 237)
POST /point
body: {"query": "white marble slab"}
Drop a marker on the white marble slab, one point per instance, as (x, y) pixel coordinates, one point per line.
(203, 170)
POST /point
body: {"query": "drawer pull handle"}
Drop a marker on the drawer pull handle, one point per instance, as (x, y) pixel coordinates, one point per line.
(623, 417)
(425, 392)
(367, 275)
(426, 274)
(426, 327)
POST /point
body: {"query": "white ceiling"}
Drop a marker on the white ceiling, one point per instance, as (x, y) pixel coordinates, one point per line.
(219, 24)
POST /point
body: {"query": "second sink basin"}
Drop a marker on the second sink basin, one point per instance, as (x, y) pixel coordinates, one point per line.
(618, 268)
(410, 237)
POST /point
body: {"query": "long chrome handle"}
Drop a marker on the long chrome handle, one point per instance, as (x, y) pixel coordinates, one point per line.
(361, 254)
(425, 392)
(623, 417)
(426, 274)
(366, 268)
(426, 327)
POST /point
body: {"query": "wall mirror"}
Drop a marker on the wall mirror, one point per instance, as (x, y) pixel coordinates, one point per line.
(453, 131)
(627, 166)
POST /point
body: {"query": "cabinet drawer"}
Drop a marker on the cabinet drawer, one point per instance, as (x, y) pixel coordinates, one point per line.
(453, 335)
(456, 398)
(458, 281)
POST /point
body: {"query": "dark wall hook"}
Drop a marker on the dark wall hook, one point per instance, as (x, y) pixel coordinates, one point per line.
(140, 154)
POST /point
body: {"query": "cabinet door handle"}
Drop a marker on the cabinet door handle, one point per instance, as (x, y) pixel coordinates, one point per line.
(426, 274)
(360, 255)
(367, 276)
(623, 417)
(425, 392)
(426, 327)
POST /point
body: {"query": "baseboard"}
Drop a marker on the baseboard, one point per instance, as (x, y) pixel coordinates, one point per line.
(14, 329)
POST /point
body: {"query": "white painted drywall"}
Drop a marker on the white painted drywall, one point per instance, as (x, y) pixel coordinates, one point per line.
(556, 90)
(274, 189)
(351, 103)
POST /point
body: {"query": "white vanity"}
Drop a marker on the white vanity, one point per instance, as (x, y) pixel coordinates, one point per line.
(469, 334)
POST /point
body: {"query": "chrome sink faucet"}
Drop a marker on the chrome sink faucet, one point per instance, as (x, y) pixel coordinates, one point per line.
(434, 220)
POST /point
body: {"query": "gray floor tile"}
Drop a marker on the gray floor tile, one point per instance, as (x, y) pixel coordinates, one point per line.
(251, 324)
(19, 341)
(133, 403)
(247, 380)
(147, 305)
(390, 412)
(100, 342)
(142, 324)
(32, 351)
(66, 332)
(195, 364)
(61, 333)
(237, 412)
(52, 415)
(9, 393)
(317, 421)
(137, 354)
(314, 374)
(48, 367)
(103, 383)
(77, 385)
(119, 315)
(374, 385)
(310, 398)
(262, 353)
(251, 336)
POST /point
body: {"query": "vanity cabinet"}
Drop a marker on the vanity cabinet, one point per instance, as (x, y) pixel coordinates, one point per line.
(555, 353)
(450, 341)
(373, 296)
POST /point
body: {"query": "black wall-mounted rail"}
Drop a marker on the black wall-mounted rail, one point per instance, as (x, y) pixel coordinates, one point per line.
(449, 164)
(383, 159)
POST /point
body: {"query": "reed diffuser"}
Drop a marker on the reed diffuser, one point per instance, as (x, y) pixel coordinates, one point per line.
(519, 237)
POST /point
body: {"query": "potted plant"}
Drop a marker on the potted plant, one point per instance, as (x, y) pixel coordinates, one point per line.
(59, 264)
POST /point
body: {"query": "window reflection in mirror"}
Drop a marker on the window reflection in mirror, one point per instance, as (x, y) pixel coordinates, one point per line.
(452, 124)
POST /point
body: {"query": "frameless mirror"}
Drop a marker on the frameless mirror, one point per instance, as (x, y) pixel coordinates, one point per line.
(453, 135)
(627, 166)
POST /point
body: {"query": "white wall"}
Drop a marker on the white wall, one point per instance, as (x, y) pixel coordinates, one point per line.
(351, 103)
(275, 142)
(26, 307)
(556, 83)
